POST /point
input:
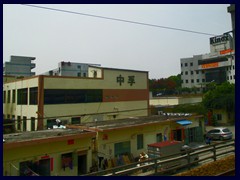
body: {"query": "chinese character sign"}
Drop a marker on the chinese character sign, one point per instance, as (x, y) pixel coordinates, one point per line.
(120, 79)
(131, 80)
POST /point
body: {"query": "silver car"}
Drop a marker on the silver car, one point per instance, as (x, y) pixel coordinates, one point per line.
(220, 133)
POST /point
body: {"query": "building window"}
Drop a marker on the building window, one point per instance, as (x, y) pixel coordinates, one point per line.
(231, 77)
(51, 123)
(76, 120)
(9, 96)
(24, 123)
(219, 117)
(197, 80)
(191, 64)
(72, 96)
(22, 96)
(95, 74)
(197, 72)
(14, 96)
(186, 72)
(227, 77)
(230, 68)
(79, 74)
(186, 65)
(19, 122)
(186, 81)
(192, 80)
(29, 168)
(234, 76)
(181, 64)
(32, 123)
(203, 80)
(203, 72)
(84, 75)
(191, 72)
(233, 67)
(139, 141)
(4, 96)
(122, 148)
(181, 73)
(159, 137)
(34, 95)
(79, 67)
(67, 161)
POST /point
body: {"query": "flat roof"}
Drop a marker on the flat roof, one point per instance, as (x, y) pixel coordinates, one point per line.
(118, 69)
(43, 134)
(109, 125)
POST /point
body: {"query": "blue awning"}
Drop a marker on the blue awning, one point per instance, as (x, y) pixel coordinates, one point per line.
(184, 122)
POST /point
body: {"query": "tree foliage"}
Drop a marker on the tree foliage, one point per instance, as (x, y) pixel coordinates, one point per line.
(165, 85)
(220, 97)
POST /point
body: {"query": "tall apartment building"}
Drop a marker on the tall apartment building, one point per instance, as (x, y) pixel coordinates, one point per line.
(19, 66)
(71, 69)
(106, 94)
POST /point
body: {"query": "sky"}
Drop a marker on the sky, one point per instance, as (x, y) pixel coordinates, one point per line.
(54, 36)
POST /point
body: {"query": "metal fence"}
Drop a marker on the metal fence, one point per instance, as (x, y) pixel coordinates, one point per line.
(174, 163)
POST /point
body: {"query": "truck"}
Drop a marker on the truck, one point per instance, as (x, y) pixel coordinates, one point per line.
(168, 150)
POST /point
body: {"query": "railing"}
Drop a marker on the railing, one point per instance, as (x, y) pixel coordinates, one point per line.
(173, 163)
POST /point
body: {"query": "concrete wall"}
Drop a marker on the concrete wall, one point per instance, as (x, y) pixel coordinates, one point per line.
(170, 101)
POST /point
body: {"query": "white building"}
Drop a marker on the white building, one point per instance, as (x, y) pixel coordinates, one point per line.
(217, 66)
(71, 69)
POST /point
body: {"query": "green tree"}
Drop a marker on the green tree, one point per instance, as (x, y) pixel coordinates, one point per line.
(220, 97)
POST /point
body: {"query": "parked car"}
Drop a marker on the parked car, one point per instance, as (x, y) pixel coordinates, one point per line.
(220, 133)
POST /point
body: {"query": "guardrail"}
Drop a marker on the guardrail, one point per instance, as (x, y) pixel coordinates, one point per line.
(159, 166)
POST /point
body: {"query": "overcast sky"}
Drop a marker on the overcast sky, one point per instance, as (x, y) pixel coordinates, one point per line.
(53, 36)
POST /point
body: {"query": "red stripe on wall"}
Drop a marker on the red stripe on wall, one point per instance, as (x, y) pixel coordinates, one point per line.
(114, 95)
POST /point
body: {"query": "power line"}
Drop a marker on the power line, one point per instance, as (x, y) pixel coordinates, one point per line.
(121, 20)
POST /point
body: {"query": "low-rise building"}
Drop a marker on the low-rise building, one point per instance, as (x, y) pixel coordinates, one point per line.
(55, 152)
(34, 103)
(89, 147)
(71, 69)
(120, 142)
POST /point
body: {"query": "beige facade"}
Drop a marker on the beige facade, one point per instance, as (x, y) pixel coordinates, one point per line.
(222, 117)
(127, 138)
(58, 152)
(112, 94)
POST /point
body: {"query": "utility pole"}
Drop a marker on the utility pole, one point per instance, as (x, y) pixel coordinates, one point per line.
(231, 10)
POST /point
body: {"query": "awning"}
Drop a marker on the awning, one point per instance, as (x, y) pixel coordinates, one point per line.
(184, 122)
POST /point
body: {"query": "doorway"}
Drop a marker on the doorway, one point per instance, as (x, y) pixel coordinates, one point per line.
(177, 134)
(82, 164)
(44, 167)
